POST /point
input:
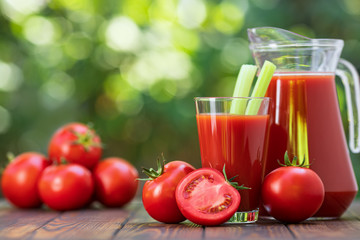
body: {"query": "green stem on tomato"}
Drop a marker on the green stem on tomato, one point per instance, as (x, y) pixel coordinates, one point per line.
(233, 184)
(152, 173)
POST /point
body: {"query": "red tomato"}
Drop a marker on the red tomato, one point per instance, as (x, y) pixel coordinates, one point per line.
(66, 187)
(206, 198)
(159, 194)
(292, 194)
(115, 182)
(20, 178)
(76, 143)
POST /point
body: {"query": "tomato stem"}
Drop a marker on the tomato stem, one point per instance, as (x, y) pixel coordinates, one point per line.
(86, 139)
(293, 163)
(10, 156)
(63, 161)
(152, 173)
(233, 184)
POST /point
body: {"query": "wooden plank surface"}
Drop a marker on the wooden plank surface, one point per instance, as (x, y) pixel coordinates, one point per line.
(97, 224)
(264, 229)
(142, 226)
(338, 229)
(348, 227)
(132, 222)
(20, 224)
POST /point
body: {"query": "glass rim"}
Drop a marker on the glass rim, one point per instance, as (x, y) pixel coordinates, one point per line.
(310, 44)
(229, 98)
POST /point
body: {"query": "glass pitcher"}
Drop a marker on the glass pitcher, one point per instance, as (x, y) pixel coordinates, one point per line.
(305, 115)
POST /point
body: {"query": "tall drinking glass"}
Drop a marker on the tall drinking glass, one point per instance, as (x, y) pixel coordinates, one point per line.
(238, 141)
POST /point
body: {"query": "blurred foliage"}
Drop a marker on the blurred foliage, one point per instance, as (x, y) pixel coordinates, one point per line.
(133, 67)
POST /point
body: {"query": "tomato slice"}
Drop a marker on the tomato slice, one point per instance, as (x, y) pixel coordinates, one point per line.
(206, 198)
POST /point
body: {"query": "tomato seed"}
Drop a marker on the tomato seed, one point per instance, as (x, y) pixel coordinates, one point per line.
(218, 208)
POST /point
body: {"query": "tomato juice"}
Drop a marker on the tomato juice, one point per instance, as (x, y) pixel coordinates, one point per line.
(239, 142)
(305, 120)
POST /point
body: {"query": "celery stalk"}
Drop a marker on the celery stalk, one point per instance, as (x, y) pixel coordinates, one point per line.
(242, 88)
(261, 87)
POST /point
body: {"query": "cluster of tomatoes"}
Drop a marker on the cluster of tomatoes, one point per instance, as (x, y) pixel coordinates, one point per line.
(72, 176)
(177, 191)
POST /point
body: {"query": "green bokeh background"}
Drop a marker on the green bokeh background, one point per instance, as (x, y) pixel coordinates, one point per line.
(132, 68)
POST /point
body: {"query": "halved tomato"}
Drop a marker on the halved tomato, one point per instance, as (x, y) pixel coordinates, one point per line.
(205, 197)
(159, 191)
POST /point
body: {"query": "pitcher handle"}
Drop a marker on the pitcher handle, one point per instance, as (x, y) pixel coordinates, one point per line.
(350, 79)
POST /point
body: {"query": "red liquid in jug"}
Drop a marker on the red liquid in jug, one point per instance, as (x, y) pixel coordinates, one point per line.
(313, 96)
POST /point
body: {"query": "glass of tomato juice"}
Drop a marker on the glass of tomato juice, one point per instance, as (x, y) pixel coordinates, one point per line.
(238, 140)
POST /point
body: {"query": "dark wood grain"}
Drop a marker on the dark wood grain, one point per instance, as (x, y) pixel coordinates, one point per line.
(264, 229)
(20, 224)
(132, 222)
(84, 224)
(348, 227)
(335, 229)
(142, 226)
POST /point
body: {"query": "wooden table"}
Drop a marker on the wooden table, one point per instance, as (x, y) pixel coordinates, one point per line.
(132, 222)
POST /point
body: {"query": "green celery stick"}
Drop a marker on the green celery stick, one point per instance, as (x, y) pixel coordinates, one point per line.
(261, 87)
(242, 88)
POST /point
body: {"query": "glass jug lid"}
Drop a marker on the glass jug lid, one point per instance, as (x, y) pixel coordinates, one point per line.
(266, 35)
(292, 52)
